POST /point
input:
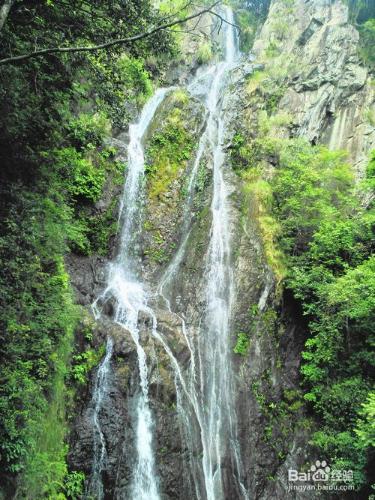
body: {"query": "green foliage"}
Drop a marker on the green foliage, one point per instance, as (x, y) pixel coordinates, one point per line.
(259, 8)
(281, 416)
(38, 319)
(367, 41)
(84, 181)
(88, 130)
(269, 84)
(35, 311)
(157, 252)
(202, 177)
(171, 6)
(248, 23)
(119, 84)
(325, 238)
(249, 16)
(280, 27)
(365, 428)
(134, 77)
(360, 10)
(242, 344)
(45, 465)
(344, 452)
(169, 154)
(39, 329)
(204, 54)
(362, 15)
(170, 148)
(78, 176)
(339, 403)
(84, 362)
(303, 197)
(74, 483)
(240, 153)
(247, 160)
(101, 228)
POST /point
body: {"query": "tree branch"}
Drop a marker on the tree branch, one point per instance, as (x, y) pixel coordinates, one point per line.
(120, 41)
(4, 11)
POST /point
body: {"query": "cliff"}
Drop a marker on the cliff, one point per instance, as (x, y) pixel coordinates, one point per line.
(187, 250)
(303, 79)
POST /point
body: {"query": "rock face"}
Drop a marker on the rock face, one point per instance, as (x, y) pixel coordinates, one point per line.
(326, 93)
(170, 150)
(120, 398)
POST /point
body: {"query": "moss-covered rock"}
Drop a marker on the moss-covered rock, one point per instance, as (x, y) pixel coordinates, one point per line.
(170, 151)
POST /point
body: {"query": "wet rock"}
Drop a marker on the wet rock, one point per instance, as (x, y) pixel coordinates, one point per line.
(123, 344)
(87, 276)
(166, 192)
(117, 415)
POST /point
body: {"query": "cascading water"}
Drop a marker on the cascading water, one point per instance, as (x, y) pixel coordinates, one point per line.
(214, 341)
(95, 485)
(208, 396)
(130, 299)
(205, 392)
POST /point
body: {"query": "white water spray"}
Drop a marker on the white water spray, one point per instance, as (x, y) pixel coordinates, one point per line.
(130, 299)
(220, 450)
(208, 395)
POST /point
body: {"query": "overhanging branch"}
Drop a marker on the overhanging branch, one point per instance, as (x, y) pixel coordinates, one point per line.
(120, 41)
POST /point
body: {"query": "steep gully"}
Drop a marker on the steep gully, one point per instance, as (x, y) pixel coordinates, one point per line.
(205, 390)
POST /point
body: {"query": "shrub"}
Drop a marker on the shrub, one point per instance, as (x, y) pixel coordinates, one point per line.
(242, 344)
(313, 220)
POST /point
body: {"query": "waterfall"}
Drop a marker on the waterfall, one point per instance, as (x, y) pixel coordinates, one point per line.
(95, 485)
(214, 339)
(205, 391)
(208, 394)
(136, 163)
(130, 299)
(217, 392)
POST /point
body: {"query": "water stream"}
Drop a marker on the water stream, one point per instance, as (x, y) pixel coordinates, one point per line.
(207, 395)
(95, 485)
(205, 391)
(214, 339)
(127, 291)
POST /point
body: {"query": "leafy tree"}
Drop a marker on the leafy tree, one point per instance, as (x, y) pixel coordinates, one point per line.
(367, 33)
(328, 237)
(324, 225)
(55, 114)
(365, 428)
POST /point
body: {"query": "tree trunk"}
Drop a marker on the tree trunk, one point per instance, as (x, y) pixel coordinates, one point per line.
(4, 12)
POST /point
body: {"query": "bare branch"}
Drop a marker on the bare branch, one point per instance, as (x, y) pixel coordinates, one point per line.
(120, 41)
